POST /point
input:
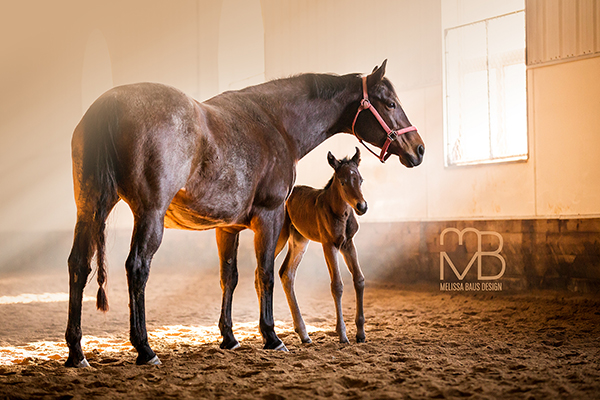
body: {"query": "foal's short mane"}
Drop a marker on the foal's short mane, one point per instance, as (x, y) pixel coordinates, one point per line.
(345, 160)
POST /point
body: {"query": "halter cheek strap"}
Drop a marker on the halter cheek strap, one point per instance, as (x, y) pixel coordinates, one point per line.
(392, 135)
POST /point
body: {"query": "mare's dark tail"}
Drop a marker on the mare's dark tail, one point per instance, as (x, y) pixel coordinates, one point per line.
(99, 177)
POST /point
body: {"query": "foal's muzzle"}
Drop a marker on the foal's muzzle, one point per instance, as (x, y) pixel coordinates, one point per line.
(361, 208)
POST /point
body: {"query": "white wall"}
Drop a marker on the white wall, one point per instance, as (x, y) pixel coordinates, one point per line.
(502, 190)
(57, 56)
(563, 58)
(565, 124)
(344, 36)
(241, 45)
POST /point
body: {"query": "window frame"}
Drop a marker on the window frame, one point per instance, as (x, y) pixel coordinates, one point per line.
(489, 159)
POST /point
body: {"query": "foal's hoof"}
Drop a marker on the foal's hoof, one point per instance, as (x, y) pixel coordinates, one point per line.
(154, 361)
(306, 340)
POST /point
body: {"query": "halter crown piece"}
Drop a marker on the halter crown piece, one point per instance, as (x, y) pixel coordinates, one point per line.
(392, 135)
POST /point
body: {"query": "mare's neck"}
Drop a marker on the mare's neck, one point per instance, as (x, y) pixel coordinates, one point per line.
(313, 117)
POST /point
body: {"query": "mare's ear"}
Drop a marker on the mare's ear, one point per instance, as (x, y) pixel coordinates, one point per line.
(333, 161)
(356, 157)
(377, 74)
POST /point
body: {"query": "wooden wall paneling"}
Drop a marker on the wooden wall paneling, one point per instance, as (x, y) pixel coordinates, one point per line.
(568, 28)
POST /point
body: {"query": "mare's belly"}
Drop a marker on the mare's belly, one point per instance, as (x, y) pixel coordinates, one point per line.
(206, 212)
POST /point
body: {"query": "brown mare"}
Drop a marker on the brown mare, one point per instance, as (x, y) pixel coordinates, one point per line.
(227, 163)
(326, 216)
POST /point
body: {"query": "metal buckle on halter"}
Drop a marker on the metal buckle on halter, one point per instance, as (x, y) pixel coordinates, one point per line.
(365, 103)
(393, 135)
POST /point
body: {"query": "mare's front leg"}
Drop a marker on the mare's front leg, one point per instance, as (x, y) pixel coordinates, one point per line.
(297, 245)
(266, 225)
(337, 288)
(350, 257)
(147, 236)
(227, 243)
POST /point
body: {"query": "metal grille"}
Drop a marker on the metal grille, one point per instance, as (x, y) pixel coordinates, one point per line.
(486, 107)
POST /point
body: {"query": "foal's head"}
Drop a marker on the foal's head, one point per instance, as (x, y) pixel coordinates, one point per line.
(348, 181)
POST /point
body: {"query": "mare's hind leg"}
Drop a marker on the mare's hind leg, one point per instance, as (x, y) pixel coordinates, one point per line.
(297, 245)
(350, 257)
(147, 236)
(79, 269)
(227, 243)
(337, 288)
(88, 239)
(266, 225)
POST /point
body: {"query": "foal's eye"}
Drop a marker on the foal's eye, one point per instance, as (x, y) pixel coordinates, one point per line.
(391, 104)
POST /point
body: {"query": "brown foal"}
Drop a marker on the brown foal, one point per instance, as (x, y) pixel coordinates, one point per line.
(325, 216)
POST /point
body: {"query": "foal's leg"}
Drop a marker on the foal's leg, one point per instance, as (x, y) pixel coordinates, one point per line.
(350, 257)
(296, 248)
(266, 225)
(227, 243)
(147, 236)
(337, 288)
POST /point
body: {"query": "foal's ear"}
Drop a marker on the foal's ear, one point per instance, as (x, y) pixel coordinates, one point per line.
(356, 157)
(377, 74)
(333, 161)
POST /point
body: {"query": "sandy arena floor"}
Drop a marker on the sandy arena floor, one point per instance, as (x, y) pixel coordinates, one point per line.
(421, 343)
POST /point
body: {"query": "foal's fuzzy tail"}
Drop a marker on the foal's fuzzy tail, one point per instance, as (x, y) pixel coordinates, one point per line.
(99, 172)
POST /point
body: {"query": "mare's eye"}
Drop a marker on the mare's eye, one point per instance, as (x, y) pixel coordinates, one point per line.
(391, 104)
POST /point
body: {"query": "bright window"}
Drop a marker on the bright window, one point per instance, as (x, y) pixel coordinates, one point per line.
(486, 102)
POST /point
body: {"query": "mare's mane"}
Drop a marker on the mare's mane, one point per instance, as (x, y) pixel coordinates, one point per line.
(327, 86)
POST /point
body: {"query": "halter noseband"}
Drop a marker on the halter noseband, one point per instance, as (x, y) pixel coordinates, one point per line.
(390, 134)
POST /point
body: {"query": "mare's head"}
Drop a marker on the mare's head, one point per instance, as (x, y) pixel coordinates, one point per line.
(408, 146)
(348, 180)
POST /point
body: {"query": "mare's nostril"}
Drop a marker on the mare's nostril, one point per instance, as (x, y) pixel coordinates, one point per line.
(421, 150)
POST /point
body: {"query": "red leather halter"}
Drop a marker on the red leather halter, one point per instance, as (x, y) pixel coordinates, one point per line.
(391, 134)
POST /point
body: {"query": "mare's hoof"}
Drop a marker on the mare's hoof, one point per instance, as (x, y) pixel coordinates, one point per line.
(360, 339)
(154, 361)
(230, 346)
(82, 364)
(281, 347)
(307, 340)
